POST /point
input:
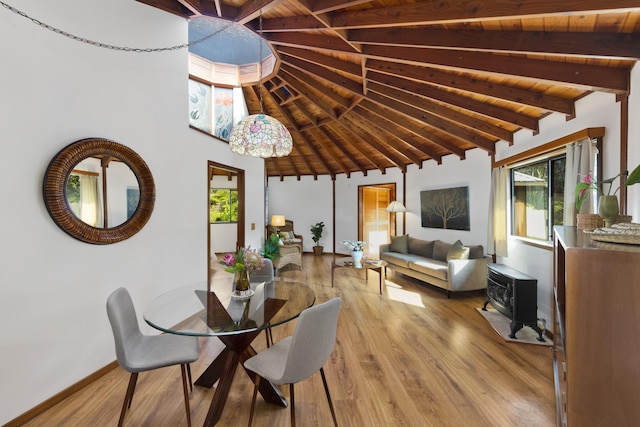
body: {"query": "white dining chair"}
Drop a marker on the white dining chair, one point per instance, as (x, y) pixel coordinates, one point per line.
(300, 355)
(138, 353)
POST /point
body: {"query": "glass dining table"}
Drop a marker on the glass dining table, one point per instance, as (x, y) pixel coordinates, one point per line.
(211, 310)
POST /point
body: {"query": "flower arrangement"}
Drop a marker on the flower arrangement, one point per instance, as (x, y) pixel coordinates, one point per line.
(582, 188)
(242, 260)
(354, 245)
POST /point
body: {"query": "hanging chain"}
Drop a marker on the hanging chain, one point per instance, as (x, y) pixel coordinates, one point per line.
(260, 62)
(109, 46)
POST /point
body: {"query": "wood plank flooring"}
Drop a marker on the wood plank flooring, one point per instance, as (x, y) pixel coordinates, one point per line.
(409, 357)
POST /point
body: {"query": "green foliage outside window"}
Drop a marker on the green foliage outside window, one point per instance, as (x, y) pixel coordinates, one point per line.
(223, 205)
(73, 189)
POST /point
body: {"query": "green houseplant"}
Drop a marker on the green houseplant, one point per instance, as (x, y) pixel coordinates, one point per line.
(271, 247)
(609, 210)
(316, 235)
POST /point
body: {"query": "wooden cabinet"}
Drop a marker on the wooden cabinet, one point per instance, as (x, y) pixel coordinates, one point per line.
(596, 331)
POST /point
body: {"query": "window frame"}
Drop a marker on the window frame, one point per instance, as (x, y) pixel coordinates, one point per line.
(230, 201)
(549, 159)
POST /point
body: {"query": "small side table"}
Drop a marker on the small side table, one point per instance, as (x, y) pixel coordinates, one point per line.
(366, 265)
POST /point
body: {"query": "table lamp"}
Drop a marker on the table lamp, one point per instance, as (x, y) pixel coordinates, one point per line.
(277, 221)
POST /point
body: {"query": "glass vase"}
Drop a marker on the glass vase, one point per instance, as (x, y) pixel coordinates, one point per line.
(608, 209)
(241, 281)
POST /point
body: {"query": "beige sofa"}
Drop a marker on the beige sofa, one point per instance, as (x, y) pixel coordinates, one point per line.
(450, 266)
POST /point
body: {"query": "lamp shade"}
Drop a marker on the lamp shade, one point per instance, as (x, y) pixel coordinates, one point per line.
(396, 206)
(277, 220)
(260, 135)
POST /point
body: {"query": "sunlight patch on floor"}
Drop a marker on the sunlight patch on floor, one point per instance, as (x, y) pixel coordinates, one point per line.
(396, 293)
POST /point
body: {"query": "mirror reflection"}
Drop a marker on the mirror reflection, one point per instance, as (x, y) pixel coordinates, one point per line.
(102, 192)
(99, 191)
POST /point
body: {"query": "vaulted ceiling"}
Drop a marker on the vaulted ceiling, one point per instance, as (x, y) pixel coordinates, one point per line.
(366, 85)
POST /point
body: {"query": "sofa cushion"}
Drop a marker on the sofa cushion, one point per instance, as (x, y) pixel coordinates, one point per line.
(396, 258)
(458, 251)
(400, 244)
(430, 267)
(440, 250)
(421, 247)
(476, 252)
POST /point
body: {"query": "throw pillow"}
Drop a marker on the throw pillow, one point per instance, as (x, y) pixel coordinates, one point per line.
(476, 252)
(400, 244)
(458, 251)
(421, 247)
(440, 250)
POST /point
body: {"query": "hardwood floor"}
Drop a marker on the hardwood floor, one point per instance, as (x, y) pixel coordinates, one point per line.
(409, 357)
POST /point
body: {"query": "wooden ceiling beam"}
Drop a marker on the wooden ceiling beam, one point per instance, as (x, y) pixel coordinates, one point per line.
(252, 9)
(434, 121)
(436, 12)
(324, 6)
(328, 148)
(348, 137)
(385, 127)
(414, 126)
(582, 76)
(444, 112)
(326, 61)
(375, 142)
(416, 94)
(341, 148)
(314, 84)
(469, 84)
(311, 96)
(172, 6)
(308, 40)
(325, 74)
(394, 142)
(548, 43)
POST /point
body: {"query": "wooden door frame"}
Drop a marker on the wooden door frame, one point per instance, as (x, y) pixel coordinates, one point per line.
(241, 207)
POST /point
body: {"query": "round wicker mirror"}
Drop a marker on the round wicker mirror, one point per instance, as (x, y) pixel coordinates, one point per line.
(55, 190)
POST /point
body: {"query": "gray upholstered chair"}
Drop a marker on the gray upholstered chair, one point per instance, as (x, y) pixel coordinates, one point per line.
(299, 356)
(265, 274)
(138, 353)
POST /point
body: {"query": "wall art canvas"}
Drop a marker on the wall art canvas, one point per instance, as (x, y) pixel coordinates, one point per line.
(200, 106)
(446, 208)
(222, 112)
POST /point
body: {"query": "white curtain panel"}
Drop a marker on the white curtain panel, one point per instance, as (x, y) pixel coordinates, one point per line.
(497, 227)
(90, 205)
(581, 160)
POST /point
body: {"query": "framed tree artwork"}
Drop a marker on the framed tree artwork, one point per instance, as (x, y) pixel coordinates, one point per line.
(446, 208)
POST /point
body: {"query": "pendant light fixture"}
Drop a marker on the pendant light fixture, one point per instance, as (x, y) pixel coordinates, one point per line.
(260, 135)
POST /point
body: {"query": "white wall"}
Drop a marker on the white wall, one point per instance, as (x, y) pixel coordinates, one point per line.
(55, 91)
(305, 202)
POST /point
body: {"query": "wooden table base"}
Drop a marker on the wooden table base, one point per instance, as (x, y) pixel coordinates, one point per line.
(224, 367)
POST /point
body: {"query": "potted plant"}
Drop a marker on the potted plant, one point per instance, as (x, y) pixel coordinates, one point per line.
(271, 248)
(316, 232)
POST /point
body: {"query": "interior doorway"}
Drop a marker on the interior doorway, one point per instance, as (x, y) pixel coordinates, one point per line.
(226, 209)
(375, 224)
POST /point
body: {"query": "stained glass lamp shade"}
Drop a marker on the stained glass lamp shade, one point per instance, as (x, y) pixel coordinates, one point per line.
(259, 135)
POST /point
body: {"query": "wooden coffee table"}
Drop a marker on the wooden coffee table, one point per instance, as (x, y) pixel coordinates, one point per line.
(366, 265)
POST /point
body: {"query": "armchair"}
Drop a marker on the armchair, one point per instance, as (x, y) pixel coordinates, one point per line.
(288, 229)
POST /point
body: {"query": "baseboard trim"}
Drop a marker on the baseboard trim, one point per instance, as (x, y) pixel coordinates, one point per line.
(54, 400)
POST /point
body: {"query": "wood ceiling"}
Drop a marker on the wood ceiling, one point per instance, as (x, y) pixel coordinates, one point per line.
(366, 85)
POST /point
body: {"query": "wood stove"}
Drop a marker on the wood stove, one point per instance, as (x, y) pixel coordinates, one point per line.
(515, 295)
